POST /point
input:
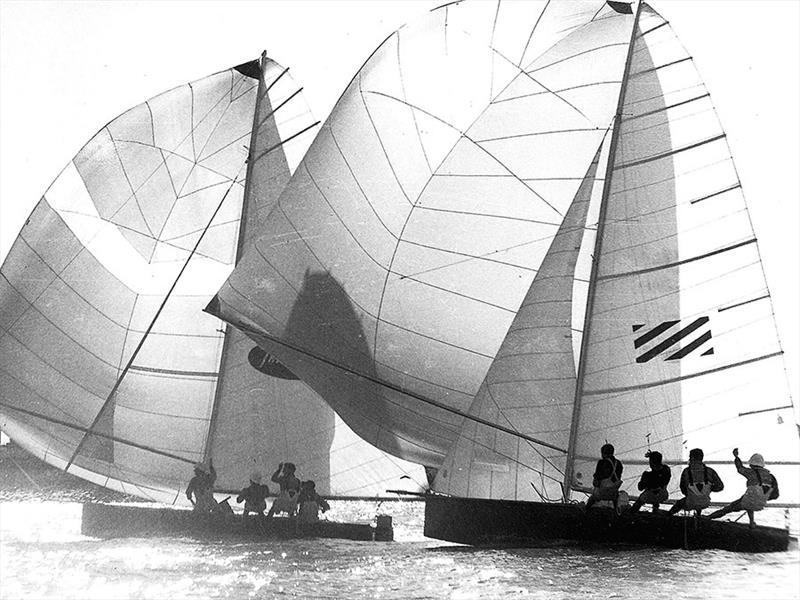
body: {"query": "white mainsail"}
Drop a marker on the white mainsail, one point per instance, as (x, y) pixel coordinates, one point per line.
(394, 262)
(85, 280)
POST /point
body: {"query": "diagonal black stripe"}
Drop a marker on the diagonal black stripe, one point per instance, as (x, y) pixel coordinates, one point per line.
(656, 350)
(641, 340)
(686, 350)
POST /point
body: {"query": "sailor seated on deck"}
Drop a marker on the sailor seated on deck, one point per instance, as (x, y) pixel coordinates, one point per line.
(202, 487)
(761, 486)
(607, 478)
(254, 496)
(653, 483)
(290, 488)
(310, 503)
(697, 483)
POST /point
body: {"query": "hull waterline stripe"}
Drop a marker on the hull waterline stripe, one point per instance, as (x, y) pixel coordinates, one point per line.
(676, 379)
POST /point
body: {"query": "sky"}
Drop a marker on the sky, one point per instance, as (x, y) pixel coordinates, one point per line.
(67, 68)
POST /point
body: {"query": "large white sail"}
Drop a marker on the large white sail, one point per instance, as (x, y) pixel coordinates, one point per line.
(392, 267)
(85, 280)
(682, 346)
(679, 345)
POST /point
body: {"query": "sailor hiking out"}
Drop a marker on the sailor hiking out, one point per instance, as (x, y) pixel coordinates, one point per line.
(653, 483)
(200, 491)
(254, 496)
(289, 489)
(310, 503)
(607, 478)
(761, 487)
(697, 483)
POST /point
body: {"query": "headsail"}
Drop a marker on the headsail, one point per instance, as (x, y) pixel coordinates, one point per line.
(397, 257)
(91, 267)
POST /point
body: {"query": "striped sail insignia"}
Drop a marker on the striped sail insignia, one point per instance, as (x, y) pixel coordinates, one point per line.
(690, 337)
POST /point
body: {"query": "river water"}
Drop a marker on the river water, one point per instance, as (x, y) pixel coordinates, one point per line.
(43, 555)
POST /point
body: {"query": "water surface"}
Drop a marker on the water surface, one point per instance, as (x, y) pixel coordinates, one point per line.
(43, 555)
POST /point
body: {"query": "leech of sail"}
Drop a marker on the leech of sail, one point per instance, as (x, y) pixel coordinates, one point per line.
(398, 389)
(87, 431)
(146, 333)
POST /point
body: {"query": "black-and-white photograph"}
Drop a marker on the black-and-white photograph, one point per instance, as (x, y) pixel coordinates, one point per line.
(400, 299)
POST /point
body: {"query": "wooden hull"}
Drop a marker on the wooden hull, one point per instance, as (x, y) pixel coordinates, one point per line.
(120, 520)
(481, 522)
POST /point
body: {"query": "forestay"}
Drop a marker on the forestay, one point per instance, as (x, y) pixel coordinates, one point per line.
(157, 190)
(396, 259)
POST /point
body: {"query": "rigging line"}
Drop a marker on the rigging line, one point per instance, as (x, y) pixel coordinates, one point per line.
(670, 153)
(665, 108)
(144, 337)
(486, 215)
(288, 139)
(730, 306)
(466, 137)
(360, 189)
(511, 425)
(97, 433)
(679, 262)
(582, 53)
(530, 36)
(380, 141)
(763, 410)
(682, 377)
(566, 89)
(391, 386)
(130, 185)
(537, 133)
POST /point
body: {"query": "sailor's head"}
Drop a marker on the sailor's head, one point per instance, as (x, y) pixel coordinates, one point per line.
(655, 458)
(200, 469)
(607, 450)
(696, 455)
(757, 461)
(288, 468)
(255, 477)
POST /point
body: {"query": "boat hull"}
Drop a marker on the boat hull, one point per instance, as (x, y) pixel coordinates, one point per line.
(119, 520)
(481, 522)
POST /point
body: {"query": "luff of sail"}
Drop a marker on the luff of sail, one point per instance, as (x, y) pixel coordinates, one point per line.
(91, 267)
(682, 348)
(396, 258)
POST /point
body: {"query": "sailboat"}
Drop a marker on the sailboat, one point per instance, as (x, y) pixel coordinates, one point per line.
(519, 235)
(109, 369)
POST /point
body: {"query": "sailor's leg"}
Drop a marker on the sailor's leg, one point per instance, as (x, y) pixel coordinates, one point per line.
(752, 516)
(678, 506)
(655, 507)
(732, 507)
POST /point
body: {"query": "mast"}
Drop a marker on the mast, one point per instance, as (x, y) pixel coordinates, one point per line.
(251, 158)
(598, 243)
